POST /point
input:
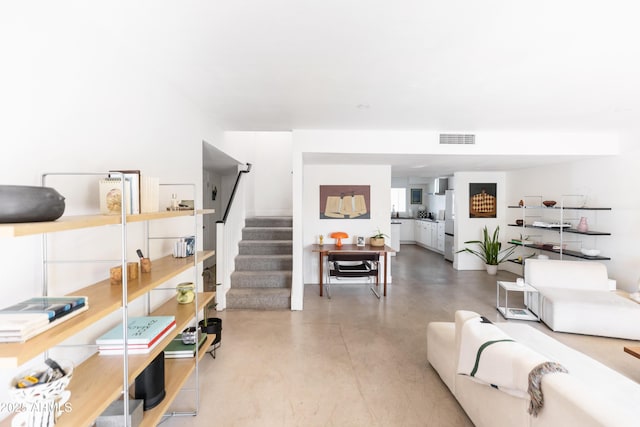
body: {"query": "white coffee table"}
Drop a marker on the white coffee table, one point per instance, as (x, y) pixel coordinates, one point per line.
(514, 313)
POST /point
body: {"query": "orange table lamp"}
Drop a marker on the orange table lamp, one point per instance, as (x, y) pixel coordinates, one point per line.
(339, 235)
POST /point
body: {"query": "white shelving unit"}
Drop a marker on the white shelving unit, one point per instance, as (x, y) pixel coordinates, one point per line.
(99, 380)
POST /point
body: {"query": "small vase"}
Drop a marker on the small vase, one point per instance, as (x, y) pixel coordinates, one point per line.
(491, 269)
(583, 225)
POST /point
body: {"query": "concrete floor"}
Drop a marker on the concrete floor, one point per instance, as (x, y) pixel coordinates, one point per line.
(355, 360)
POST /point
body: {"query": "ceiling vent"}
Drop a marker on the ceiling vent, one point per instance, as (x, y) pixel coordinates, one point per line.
(457, 138)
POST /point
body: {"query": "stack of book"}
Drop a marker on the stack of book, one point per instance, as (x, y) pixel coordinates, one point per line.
(31, 317)
(178, 350)
(143, 334)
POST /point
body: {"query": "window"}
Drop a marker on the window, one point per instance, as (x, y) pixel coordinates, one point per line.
(398, 200)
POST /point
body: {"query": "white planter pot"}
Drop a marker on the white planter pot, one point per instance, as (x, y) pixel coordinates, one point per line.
(491, 269)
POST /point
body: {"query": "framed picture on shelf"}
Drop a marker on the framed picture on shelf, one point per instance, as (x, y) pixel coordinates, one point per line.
(416, 196)
(360, 241)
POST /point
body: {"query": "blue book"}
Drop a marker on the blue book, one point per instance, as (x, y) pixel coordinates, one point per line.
(54, 307)
(140, 330)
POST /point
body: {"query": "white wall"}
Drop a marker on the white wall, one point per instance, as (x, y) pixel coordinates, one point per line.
(269, 183)
(378, 177)
(80, 95)
(471, 228)
(608, 182)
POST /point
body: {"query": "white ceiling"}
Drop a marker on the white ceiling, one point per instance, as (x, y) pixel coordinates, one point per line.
(456, 65)
(449, 66)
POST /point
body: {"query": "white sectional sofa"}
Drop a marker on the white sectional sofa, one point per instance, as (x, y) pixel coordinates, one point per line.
(590, 394)
(578, 297)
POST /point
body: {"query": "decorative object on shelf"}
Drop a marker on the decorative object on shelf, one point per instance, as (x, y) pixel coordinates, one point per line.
(583, 225)
(186, 293)
(345, 201)
(190, 335)
(377, 239)
(339, 235)
(184, 247)
(23, 203)
(483, 200)
(590, 252)
(490, 251)
(521, 203)
(320, 239)
(549, 203)
(47, 393)
(519, 222)
(115, 275)
(145, 265)
(132, 270)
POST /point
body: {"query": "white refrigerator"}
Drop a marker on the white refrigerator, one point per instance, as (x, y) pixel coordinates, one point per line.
(449, 222)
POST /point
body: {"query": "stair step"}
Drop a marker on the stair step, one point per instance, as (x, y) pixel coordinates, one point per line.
(265, 247)
(263, 262)
(261, 279)
(259, 299)
(267, 233)
(269, 221)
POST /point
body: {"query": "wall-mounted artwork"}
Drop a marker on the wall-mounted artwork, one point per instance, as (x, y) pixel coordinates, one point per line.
(483, 201)
(416, 196)
(345, 201)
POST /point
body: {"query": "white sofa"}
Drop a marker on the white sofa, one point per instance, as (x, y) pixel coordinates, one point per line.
(578, 297)
(591, 394)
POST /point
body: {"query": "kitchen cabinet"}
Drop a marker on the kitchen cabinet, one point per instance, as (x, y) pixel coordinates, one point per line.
(407, 230)
(99, 380)
(440, 237)
(430, 234)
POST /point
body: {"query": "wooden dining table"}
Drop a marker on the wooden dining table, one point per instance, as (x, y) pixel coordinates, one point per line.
(325, 249)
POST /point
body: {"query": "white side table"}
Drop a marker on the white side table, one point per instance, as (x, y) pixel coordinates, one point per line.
(514, 313)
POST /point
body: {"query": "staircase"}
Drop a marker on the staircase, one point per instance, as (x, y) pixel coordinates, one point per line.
(262, 276)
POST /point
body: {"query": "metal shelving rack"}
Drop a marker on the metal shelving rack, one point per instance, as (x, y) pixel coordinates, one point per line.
(539, 207)
(94, 384)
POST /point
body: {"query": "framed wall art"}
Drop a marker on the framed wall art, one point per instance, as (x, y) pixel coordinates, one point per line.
(345, 201)
(416, 196)
(483, 201)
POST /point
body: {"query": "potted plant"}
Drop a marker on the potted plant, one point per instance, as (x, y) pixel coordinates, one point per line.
(378, 238)
(490, 250)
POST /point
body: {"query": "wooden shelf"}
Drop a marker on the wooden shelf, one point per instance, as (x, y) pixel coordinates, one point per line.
(86, 221)
(104, 299)
(97, 381)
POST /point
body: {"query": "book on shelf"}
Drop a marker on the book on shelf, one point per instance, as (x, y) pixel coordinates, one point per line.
(178, 350)
(53, 307)
(115, 349)
(143, 332)
(132, 182)
(13, 329)
(110, 193)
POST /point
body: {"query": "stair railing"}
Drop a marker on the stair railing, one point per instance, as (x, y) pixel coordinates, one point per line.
(228, 235)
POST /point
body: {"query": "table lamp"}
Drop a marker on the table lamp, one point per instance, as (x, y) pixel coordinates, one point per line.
(339, 235)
